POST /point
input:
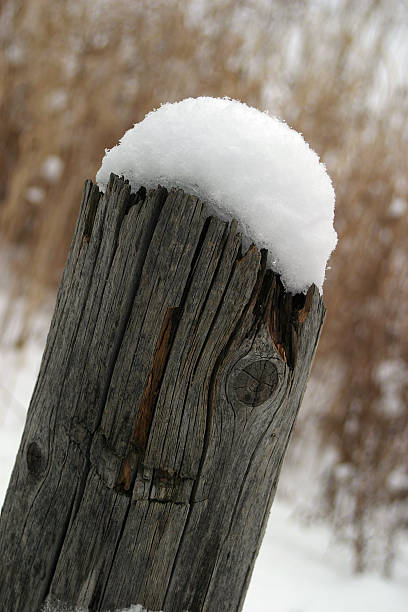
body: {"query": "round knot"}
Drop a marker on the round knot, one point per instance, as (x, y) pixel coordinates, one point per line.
(35, 459)
(255, 382)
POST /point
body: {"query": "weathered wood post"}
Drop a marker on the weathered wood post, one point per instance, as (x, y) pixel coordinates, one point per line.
(169, 386)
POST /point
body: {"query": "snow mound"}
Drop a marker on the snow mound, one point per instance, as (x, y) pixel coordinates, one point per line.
(246, 164)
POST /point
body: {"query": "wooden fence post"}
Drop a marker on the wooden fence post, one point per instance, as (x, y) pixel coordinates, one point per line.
(169, 386)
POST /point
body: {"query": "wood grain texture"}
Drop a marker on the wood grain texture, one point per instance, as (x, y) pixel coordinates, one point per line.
(173, 372)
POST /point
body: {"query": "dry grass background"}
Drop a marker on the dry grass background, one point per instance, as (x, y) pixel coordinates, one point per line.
(75, 75)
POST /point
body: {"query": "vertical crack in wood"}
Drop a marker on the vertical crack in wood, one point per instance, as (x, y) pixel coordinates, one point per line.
(93, 205)
(97, 596)
(94, 198)
(140, 434)
(253, 302)
(63, 534)
(124, 202)
(91, 198)
(275, 308)
(220, 359)
(138, 197)
(120, 202)
(114, 351)
(144, 418)
(138, 441)
(232, 230)
(154, 379)
(210, 405)
(302, 307)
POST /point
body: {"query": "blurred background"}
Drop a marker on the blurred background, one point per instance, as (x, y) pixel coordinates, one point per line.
(75, 75)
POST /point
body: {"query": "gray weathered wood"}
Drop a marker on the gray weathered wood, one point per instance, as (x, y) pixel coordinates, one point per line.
(170, 383)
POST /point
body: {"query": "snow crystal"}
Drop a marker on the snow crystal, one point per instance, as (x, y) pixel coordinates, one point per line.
(397, 207)
(52, 168)
(57, 100)
(35, 195)
(245, 164)
(15, 54)
(343, 472)
(397, 480)
(392, 376)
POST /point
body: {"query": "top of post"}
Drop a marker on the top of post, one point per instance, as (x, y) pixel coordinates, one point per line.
(247, 165)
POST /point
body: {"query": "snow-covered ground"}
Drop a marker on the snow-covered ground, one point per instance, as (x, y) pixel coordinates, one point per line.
(300, 567)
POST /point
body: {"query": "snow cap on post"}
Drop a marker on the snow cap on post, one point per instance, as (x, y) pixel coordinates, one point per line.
(246, 164)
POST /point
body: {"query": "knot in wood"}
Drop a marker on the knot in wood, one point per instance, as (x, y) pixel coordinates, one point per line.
(35, 459)
(255, 382)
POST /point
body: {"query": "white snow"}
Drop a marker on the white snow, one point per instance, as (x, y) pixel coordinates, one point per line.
(397, 207)
(391, 375)
(246, 164)
(15, 54)
(398, 480)
(52, 168)
(57, 100)
(34, 194)
(301, 569)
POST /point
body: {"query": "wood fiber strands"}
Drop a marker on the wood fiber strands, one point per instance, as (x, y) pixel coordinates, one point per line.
(169, 386)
